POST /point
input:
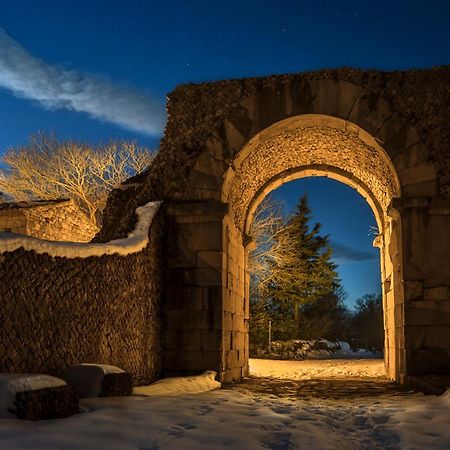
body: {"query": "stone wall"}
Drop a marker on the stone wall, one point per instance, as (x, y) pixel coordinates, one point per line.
(57, 311)
(57, 220)
(405, 113)
(218, 118)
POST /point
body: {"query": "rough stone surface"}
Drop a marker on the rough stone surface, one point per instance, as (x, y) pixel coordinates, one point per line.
(58, 220)
(390, 140)
(403, 109)
(50, 403)
(57, 312)
(392, 144)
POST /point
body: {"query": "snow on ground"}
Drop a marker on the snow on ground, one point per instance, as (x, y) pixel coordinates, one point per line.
(234, 419)
(310, 369)
(180, 385)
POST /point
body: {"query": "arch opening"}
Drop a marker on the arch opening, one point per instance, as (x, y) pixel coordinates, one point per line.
(305, 146)
(328, 316)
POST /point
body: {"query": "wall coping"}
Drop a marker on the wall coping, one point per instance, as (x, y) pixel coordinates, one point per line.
(136, 240)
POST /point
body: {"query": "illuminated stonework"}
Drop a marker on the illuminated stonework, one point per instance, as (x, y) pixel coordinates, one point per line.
(337, 150)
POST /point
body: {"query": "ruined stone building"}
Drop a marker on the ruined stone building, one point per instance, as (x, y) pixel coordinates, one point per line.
(53, 220)
(178, 301)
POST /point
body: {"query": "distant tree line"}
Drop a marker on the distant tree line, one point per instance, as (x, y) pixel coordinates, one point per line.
(294, 285)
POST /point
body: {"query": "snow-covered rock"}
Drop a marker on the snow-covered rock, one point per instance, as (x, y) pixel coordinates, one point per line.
(88, 379)
(180, 385)
(11, 384)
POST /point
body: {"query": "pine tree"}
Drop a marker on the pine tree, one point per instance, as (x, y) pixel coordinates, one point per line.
(304, 271)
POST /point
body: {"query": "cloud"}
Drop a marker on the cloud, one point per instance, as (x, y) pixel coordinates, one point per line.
(58, 88)
(343, 254)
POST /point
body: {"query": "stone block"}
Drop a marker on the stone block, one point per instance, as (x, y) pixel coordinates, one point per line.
(205, 181)
(189, 320)
(44, 404)
(183, 297)
(201, 277)
(370, 111)
(427, 361)
(427, 312)
(211, 360)
(404, 138)
(439, 206)
(419, 173)
(211, 340)
(211, 259)
(437, 293)
(227, 320)
(413, 290)
(411, 156)
(427, 336)
(196, 208)
(210, 165)
(212, 298)
(390, 127)
(180, 340)
(334, 97)
(184, 361)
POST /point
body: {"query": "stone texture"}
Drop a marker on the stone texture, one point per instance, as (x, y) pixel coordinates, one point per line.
(57, 312)
(225, 146)
(58, 220)
(50, 403)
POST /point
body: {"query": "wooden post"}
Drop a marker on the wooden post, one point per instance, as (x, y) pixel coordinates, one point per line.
(270, 336)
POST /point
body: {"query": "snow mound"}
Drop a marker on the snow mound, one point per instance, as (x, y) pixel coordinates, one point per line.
(10, 384)
(136, 241)
(180, 385)
(87, 378)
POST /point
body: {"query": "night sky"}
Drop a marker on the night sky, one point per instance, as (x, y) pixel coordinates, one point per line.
(95, 70)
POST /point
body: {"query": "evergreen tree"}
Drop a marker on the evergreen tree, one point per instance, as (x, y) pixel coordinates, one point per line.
(305, 272)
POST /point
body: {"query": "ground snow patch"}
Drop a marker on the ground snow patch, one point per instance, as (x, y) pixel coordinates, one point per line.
(233, 419)
(423, 422)
(322, 368)
(180, 385)
(10, 384)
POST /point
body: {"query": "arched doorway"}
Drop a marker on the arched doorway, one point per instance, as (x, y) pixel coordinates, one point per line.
(229, 143)
(303, 146)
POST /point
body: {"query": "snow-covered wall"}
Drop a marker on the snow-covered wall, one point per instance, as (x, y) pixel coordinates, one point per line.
(68, 303)
(135, 242)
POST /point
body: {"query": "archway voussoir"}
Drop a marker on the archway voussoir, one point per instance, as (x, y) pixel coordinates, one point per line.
(334, 97)
(370, 112)
(404, 138)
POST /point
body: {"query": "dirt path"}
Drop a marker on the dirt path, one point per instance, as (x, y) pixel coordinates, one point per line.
(332, 388)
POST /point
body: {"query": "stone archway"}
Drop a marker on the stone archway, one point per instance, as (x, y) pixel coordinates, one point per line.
(398, 120)
(302, 146)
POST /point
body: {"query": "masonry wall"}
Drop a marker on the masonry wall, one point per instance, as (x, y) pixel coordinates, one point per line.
(406, 112)
(53, 221)
(426, 228)
(57, 311)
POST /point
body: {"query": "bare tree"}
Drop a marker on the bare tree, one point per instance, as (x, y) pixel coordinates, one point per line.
(266, 226)
(47, 169)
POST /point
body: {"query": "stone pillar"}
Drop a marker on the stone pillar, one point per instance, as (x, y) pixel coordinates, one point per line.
(194, 280)
(426, 244)
(235, 306)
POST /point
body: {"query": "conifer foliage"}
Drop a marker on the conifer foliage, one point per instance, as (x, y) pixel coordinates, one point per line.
(290, 267)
